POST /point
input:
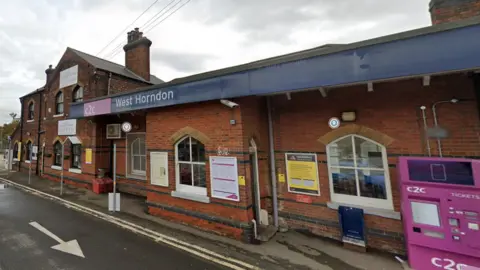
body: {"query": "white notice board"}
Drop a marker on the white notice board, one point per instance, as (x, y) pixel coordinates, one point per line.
(68, 77)
(224, 178)
(159, 168)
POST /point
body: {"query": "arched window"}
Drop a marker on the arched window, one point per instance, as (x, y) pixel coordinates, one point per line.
(28, 151)
(31, 110)
(59, 103)
(138, 156)
(76, 156)
(78, 94)
(15, 151)
(190, 166)
(57, 154)
(358, 171)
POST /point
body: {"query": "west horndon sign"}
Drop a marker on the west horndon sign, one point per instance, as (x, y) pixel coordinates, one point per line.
(148, 99)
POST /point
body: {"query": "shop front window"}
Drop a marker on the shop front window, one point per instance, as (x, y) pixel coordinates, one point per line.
(76, 156)
(57, 154)
(137, 157)
(190, 166)
(358, 171)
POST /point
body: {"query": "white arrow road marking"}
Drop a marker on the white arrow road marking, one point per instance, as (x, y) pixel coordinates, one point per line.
(71, 247)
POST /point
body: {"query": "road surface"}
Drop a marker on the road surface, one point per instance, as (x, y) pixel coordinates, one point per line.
(30, 226)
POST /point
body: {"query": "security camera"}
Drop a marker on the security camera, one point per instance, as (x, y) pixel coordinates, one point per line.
(229, 103)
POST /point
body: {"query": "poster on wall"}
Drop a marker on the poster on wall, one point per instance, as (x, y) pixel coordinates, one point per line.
(224, 178)
(68, 76)
(88, 156)
(67, 127)
(302, 173)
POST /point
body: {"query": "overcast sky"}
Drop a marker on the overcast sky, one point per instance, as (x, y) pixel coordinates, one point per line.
(203, 35)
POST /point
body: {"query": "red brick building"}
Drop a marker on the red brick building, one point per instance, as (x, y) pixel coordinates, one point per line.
(77, 77)
(224, 150)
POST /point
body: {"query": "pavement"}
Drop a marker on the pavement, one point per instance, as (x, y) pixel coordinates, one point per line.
(107, 246)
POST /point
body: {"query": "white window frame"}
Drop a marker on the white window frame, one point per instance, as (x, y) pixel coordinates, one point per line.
(27, 157)
(129, 156)
(359, 200)
(188, 188)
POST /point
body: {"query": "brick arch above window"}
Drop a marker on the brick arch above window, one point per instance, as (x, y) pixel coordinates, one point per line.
(189, 131)
(57, 139)
(352, 129)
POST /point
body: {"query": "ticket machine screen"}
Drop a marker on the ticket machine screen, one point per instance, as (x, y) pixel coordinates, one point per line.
(436, 171)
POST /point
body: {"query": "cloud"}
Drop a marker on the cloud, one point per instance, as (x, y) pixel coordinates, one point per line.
(204, 35)
(182, 62)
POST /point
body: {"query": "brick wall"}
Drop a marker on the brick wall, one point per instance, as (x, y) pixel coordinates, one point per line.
(391, 111)
(91, 131)
(442, 11)
(208, 122)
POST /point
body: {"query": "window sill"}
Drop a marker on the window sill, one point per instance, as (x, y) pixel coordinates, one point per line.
(15, 159)
(30, 121)
(58, 168)
(369, 210)
(58, 115)
(28, 161)
(190, 196)
(138, 177)
(73, 170)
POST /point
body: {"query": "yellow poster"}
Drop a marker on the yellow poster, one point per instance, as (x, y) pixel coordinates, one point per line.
(241, 180)
(281, 178)
(19, 153)
(88, 156)
(302, 173)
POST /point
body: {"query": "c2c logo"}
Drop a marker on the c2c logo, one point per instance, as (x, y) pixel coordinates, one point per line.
(447, 264)
(416, 190)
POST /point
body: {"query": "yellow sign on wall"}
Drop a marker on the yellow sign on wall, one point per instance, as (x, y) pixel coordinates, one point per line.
(88, 156)
(19, 153)
(241, 180)
(302, 173)
(281, 178)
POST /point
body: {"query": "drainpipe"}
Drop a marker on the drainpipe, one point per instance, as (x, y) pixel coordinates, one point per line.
(38, 131)
(435, 121)
(108, 85)
(21, 134)
(425, 127)
(272, 163)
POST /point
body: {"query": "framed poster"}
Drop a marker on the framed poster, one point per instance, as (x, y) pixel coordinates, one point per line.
(224, 178)
(302, 173)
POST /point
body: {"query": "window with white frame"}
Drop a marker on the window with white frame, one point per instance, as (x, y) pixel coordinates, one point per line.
(137, 158)
(15, 150)
(190, 166)
(59, 103)
(31, 110)
(358, 171)
(57, 154)
(76, 156)
(77, 94)
(28, 150)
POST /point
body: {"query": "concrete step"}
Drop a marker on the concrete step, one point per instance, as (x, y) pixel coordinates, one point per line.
(265, 233)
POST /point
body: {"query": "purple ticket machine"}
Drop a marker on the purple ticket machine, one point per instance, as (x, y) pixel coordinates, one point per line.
(441, 212)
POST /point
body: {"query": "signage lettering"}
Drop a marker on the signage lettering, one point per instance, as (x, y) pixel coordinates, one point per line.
(143, 99)
(97, 107)
(416, 190)
(447, 264)
(465, 196)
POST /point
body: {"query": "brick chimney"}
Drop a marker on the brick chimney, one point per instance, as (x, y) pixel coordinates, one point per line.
(442, 11)
(49, 72)
(137, 54)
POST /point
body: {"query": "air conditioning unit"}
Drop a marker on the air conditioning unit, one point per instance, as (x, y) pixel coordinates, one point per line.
(114, 131)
